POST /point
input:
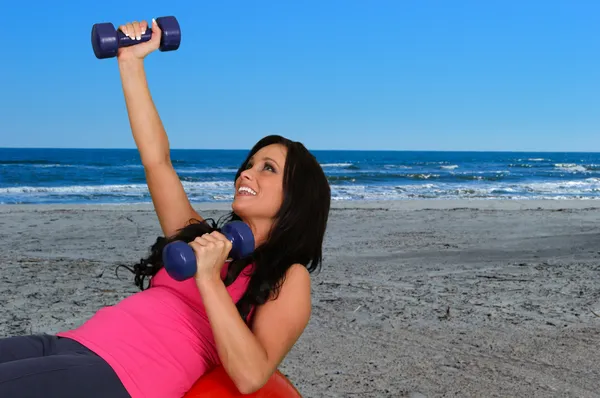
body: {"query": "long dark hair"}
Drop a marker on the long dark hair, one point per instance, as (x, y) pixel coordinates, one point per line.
(296, 236)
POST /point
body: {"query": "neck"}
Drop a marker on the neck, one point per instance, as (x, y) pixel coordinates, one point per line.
(260, 228)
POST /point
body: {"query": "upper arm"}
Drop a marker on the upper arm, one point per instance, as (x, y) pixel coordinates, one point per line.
(171, 203)
(278, 323)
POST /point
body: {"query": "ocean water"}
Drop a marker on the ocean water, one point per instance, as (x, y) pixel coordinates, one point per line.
(34, 176)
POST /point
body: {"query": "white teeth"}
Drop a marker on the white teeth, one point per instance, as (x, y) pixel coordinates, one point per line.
(246, 189)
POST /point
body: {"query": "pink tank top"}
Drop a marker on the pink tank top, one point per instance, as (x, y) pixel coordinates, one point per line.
(158, 341)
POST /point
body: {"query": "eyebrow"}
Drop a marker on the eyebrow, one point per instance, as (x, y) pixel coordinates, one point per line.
(266, 158)
(272, 160)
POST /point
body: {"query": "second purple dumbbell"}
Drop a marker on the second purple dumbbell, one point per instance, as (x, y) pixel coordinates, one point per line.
(179, 258)
(106, 40)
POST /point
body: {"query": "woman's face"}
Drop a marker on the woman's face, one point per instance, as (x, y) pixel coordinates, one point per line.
(259, 188)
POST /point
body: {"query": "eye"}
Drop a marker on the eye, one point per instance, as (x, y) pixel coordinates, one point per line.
(269, 167)
(248, 165)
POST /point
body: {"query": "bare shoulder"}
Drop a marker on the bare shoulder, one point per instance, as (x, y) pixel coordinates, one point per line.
(295, 291)
(296, 277)
(279, 322)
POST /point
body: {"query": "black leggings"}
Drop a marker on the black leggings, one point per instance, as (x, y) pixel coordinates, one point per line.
(47, 366)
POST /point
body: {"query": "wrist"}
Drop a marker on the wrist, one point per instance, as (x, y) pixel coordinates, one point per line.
(130, 64)
(208, 281)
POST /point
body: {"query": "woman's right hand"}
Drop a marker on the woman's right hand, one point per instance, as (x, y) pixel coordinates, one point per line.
(138, 51)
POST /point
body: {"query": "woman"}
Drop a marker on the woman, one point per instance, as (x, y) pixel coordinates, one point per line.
(244, 315)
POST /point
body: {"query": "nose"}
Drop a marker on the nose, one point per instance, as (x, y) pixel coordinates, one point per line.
(246, 174)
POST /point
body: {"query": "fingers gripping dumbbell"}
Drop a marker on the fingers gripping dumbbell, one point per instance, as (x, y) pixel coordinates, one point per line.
(106, 40)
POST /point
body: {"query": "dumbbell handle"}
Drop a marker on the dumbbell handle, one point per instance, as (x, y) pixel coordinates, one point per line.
(126, 41)
(179, 258)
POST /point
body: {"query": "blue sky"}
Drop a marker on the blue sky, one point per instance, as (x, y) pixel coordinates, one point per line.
(406, 75)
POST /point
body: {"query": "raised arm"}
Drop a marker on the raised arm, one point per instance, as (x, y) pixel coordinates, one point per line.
(171, 203)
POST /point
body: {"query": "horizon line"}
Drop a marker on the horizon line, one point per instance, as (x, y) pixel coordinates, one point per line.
(331, 150)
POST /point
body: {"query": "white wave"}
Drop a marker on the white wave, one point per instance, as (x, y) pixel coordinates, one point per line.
(336, 164)
(451, 167)
(588, 188)
(129, 166)
(223, 191)
(114, 189)
(480, 172)
(77, 189)
(533, 160)
(520, 165)
(582, 186)
(571, 167)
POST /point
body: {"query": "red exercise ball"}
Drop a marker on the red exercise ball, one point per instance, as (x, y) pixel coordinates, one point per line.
(217, 383)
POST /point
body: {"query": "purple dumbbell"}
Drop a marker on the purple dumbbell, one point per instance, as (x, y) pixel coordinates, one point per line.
(179, 258)
(106, 40)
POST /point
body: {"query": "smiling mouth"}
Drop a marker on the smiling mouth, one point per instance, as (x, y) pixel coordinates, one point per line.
(245, 191)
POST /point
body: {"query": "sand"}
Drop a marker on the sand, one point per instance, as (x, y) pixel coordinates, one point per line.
(415, 299)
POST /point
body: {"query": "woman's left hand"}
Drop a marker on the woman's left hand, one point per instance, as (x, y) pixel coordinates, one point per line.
(212, 250)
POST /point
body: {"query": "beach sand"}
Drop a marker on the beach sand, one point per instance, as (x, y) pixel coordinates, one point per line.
(415, 298)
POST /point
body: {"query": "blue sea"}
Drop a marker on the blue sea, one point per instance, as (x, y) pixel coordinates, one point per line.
(102, 176)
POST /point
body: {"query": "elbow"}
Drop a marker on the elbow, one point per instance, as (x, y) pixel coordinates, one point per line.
(250, 383)
(246, 389)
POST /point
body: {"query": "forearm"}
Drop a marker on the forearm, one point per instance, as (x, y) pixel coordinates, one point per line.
(148, 132)
(242, 356)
